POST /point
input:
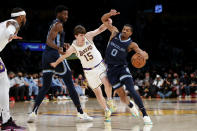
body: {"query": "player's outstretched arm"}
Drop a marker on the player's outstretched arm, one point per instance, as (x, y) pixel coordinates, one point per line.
(68, 53)
(91, 34)
(135, 47)
(105, 18)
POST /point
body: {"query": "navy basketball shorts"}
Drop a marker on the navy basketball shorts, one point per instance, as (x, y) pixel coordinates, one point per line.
(51, 56)
(116, 75)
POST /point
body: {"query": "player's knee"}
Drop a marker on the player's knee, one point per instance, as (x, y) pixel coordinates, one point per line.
(106, 83)
(97, 92)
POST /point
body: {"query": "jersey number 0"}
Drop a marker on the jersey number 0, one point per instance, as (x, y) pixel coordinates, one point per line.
(114, 52)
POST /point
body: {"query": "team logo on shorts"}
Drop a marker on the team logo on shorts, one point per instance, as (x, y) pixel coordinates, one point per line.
(2, 67)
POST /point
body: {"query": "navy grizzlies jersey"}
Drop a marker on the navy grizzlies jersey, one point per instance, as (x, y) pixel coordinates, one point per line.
(59, 40)
(116, 52)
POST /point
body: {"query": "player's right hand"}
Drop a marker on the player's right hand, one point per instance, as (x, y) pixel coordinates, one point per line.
(145, 54)
(113, 12)
(14, 37)
(53, 64)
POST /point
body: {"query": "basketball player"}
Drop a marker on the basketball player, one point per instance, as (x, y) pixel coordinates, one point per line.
(55, 42)
(92, 62)
(118, 72)
(8, 32)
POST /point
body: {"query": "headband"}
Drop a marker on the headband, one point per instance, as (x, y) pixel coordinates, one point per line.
(18, 14)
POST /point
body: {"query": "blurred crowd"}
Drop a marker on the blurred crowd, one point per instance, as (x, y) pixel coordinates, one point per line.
(169, 85)
(25, 86)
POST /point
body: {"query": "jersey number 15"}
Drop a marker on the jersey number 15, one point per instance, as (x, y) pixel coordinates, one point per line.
(88, 56)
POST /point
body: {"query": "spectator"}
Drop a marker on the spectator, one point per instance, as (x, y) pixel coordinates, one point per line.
(176, 84)
(33, 88)
(23, 87)
(40, 82)
(13, 86)
(193, 82)
(65, 91)
(78, 88)
(165, 90)
(184, 83)
(56, 87)
(157, 84)
(148, 92)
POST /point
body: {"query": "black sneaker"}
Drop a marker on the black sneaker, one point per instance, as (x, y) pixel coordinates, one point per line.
(11, 126)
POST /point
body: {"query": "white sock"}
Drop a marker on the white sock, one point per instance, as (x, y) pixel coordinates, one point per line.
(109, 98)
(106, 109)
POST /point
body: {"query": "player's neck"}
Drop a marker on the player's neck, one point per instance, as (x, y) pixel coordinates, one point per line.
(80, 43)
(123, 38)
(18, 21)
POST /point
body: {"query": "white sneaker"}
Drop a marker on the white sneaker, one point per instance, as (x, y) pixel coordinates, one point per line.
(59, 98)
(32, 117)
(134, 111)
(147, 120)
(84, 117)
(65, 98)
(84, 97)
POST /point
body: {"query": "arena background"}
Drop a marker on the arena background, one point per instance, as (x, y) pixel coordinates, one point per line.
(168, 36)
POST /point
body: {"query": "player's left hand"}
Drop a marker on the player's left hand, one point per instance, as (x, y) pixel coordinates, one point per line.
(113, 12)
(14, 37)
(53, 64)
(66, 45)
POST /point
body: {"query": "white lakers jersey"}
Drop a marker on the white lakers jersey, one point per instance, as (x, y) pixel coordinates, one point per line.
(88, 54)
(5, 33)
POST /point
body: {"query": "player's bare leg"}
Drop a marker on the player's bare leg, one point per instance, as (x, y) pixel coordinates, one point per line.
(108, 91)
(102, 102)
(123, 97)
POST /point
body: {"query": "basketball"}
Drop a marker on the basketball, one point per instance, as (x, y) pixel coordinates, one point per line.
(138, 60)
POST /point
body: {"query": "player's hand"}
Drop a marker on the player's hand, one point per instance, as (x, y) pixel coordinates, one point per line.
(66, 45)
(145, 54)
(53, 64)
(14, 37)
(113, 12)
(60, 50)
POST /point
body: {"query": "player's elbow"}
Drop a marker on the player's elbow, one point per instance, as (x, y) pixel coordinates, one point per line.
(48, 41)
(103, 19)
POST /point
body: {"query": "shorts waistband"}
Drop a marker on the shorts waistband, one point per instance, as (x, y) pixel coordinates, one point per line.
(94, 66)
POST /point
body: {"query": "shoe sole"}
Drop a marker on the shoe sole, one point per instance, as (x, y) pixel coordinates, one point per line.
(83, 121)
(14, 130)
(148, 123)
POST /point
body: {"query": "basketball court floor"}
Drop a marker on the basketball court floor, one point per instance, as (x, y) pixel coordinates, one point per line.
(167, 115)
